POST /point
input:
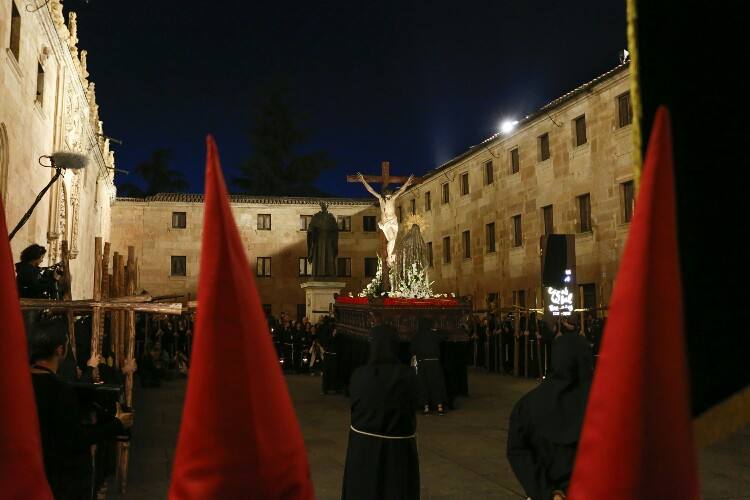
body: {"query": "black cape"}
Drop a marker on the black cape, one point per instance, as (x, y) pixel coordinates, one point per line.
(425, 345)
(383, 395)
(546, 423)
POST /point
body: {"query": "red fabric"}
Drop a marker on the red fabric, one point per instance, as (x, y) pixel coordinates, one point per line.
(21, 466)
(352, 300)
(239, 436)
(637, 441)
(420, 302)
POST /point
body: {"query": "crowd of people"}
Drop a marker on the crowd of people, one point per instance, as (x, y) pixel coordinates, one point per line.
(163, 346)
(495, 339)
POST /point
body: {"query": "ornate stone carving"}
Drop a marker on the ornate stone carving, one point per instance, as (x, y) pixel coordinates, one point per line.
(73, 38)
(73, 126)
(75, 201)
(56, 10)
(84, 65)
(93, 107)
(62, 223)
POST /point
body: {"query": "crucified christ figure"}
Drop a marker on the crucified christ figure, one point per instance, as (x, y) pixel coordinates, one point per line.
(388, 221)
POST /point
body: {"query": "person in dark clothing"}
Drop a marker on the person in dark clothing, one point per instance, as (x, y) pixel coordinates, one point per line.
(65, 440)
(34, 282)
(545, 424)
(425, 345)
(381, 459)
(329, 341)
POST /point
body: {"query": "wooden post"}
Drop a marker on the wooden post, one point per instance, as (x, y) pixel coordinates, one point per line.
(120, 353)
(516, 339)
(96, 312)
(67, 282)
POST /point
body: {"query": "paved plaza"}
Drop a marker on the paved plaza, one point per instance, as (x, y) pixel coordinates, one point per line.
(462, 455)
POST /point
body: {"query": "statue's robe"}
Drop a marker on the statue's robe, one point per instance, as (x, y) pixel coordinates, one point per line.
(323, 244)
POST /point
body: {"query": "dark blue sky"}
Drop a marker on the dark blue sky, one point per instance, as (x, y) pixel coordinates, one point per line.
(407, 81)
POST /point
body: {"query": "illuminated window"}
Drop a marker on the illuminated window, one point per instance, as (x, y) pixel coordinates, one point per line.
(264, 222)
(580, 130)
(584, 213)
(543, 147)
(624, 110)
(515, 164)
(345, 223)
(343, 267)
(490, 237)
(263, 267)
(304, 222)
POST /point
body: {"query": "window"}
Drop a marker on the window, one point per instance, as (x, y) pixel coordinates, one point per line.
(627, 190)
(39, 83)
(399, 214)
(371, 267)
(519, 298)
(579, 129)
(304, 222)
(489, 173)
(446, 193)
(427, 201)
(264, 222)
(464, 183)
(447, 250)
(267, 309)
(429, 254)
(547, 218)
(517, 231)
(345, 223)
(263, 267)
(179, 265)
(179, 220)
(589, 295)
(343, 267)
(493, 301)
(584, 213)
(543, 147)
(15, 31)
(624, 110)
(466, 238)
(413, 206)
(490, 237)
(515, 164)
(369, 223)
(305, 267)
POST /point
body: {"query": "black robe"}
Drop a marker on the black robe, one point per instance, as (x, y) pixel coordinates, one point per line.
(425, 345)
(546, 423)
(383, 394)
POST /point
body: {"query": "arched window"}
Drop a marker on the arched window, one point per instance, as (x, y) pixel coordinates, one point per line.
(4, 160)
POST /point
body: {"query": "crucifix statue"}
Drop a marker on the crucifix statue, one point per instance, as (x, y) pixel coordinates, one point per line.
(387, 199)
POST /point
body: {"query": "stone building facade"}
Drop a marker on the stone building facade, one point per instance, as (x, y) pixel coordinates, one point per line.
(166, 230)
(567, 168)
(48, 104)
(569, 163)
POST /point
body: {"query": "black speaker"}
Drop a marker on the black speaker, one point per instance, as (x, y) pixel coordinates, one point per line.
(558, 252)
(558, 266)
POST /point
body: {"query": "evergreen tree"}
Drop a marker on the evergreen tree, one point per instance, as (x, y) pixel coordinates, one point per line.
(158, 176)
(276, 167)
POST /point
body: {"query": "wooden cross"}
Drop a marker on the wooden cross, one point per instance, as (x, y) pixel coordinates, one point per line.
(384, 179)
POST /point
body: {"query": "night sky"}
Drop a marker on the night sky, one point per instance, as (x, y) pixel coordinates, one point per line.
(412, 82)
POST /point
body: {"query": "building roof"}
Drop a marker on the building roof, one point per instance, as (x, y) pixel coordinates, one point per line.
(242, 198)
(544, 110)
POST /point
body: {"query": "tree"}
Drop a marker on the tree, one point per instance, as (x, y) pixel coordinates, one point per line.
(275, 167)
(158, 176)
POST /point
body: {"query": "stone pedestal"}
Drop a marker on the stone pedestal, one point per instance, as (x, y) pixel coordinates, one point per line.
(319, 298)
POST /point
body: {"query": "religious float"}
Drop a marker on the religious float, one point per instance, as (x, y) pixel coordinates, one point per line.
(400, 294)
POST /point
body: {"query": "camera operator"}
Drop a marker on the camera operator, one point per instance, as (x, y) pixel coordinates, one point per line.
(36, 282)
(65, 440)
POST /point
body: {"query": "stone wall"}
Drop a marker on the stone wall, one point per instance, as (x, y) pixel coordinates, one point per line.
(47, 104)
(148, 225)
(598, 168)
